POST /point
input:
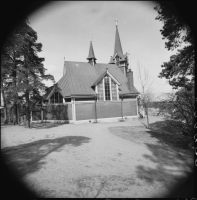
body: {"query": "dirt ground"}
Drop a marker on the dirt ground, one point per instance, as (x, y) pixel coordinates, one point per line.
(106, 160)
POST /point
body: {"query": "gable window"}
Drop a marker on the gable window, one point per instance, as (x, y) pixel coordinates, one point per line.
(107, 89)
(100, 90)
(56, 98)
(113, 90)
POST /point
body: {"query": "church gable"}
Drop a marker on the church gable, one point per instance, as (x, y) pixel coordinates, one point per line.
(107, 89)
(53, 96)
(108, 74)
(56, 97)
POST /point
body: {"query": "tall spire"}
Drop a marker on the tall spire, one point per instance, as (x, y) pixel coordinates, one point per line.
(117, 47)
(91, 57)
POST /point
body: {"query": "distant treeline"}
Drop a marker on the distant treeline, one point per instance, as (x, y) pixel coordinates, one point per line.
(159, 104)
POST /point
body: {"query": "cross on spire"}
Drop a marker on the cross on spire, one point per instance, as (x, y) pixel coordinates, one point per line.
(116, 22)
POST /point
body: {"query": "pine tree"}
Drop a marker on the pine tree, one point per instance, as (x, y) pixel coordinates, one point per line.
(180, 70)
(23, 66)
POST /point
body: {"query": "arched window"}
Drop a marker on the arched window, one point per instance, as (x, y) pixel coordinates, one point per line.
(56, 98)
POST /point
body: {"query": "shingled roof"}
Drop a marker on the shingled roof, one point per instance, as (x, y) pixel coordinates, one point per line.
(80, 76)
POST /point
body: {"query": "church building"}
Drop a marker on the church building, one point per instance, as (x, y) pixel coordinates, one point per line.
(93, 91)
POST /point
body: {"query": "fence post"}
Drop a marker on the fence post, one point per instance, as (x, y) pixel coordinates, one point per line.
(73, 110)
(30, 116)
(41, 113)
(95, 110)
(121, 107)
(137, 107)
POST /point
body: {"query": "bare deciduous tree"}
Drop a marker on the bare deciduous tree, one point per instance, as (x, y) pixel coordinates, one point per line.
(180, 106)
(144, 85)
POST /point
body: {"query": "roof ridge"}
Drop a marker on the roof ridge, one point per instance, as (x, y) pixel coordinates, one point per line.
(75, 61)
(91, 65)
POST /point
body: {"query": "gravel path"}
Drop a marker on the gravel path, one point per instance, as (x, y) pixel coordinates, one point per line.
(118, 159)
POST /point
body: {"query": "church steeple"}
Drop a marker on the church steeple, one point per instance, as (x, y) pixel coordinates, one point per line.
(118, 58)
(118, 46)
(91, 57)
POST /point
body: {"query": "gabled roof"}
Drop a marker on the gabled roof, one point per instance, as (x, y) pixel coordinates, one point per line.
(50, 91)
(80, 76)
(103, 75)
(91, 52)
(55, 88)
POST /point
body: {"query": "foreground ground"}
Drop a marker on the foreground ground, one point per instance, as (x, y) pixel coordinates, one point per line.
(119, 159)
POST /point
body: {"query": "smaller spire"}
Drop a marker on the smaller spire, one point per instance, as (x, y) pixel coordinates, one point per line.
(91, 57)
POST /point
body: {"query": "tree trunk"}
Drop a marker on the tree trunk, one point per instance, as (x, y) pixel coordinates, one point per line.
(8, 112)
(5, 114)
(18, 112)
(15, 113)
(27, 95)
(5, 109)
(147, 117)
(5, 105)
(16, 95)
(28, 111)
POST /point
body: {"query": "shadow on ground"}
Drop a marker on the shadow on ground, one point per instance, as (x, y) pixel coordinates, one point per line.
(173, 159)
(168, 132)
(173, 170)
(27, 158)
(46, 125)
(169, 159)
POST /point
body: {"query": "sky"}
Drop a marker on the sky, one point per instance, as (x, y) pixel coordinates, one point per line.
(65, 28)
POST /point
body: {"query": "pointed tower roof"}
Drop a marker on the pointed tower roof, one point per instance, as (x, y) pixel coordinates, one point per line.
(91, 52)
(118, 46)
